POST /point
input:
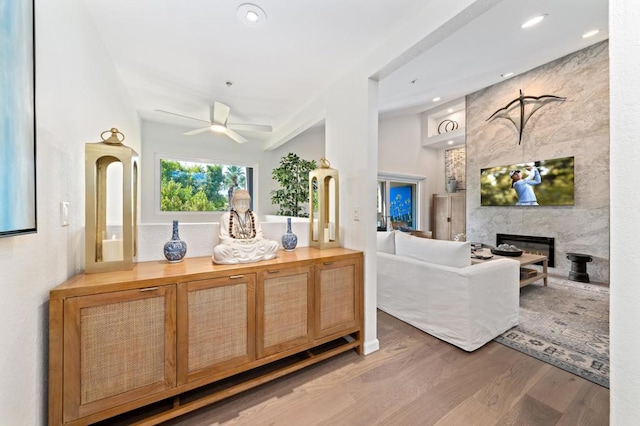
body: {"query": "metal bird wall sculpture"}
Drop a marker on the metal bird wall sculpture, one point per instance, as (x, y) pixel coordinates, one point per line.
(521, 101)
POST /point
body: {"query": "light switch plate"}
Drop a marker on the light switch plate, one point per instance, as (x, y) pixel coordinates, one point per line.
(64, 213)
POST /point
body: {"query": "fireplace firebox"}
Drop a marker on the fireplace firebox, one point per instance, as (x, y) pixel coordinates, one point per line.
(530, 244)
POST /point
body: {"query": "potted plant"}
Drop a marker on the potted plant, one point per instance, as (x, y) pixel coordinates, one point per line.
(293, 176)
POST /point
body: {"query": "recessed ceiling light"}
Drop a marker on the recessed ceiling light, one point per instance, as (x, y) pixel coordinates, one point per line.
(590, 33)
(506, 75)
(450, 110)
(533, 21)
(450, 143)
(251, 15)
(436, 99)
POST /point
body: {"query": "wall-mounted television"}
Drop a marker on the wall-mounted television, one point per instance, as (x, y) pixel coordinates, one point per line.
(535, 183)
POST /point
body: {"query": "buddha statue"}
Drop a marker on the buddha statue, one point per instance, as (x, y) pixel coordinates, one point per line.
(241, 239)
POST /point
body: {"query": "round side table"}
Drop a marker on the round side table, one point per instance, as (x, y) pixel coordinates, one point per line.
(578, 270)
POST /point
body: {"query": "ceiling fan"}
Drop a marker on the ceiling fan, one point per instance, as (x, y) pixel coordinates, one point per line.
(218, 114)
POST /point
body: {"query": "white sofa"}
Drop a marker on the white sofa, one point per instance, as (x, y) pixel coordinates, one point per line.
(432, 285)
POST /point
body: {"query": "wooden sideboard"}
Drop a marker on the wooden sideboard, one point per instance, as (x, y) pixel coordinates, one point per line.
(164, 339)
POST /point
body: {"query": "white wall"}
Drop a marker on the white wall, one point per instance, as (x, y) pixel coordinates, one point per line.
(624, 53)
(400, 151)
(309, 146)
(159, 138)
(168, 141)
(200, 230)
(79, 95)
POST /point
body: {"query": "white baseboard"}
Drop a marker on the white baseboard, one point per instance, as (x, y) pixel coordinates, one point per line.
(371, 346)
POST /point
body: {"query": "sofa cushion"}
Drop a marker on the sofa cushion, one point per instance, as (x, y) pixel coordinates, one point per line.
(387, 242)
(448, 253)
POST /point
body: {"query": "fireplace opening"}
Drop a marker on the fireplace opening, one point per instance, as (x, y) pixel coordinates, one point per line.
(530, 244)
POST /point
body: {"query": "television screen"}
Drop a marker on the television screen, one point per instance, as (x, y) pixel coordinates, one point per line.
(537, 183)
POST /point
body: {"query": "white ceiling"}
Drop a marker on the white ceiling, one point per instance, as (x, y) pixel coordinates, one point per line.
(178, 55)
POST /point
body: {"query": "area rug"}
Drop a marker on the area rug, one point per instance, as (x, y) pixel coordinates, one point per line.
(565, 324)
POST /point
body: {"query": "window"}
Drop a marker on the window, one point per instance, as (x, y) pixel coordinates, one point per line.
(398, 202)
(190, 186)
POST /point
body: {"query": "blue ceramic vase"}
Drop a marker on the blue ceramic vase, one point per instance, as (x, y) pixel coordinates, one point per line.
(289, 239)
(175, 249)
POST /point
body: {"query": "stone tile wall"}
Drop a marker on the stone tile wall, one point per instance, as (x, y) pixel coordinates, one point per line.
(577, 127)
(455, 165)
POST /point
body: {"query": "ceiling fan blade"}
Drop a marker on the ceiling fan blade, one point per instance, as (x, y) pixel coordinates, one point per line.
(196, 131)
(236, 137)
(250, 127)
(183, 116)
(220, 113)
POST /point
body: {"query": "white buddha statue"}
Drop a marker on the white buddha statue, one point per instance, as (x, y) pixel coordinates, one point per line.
(241, 238)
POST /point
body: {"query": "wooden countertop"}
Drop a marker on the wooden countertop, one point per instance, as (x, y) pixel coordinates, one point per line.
(194, 268)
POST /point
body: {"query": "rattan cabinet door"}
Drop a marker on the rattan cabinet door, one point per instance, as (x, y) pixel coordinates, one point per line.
(118, 347)
(338, 297)
(216, 327)
(284, 310)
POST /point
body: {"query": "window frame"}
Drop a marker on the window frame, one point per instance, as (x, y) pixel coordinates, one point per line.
(389, 178)
(199, 216)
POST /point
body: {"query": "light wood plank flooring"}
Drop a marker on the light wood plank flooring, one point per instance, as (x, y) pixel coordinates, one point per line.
(416, 379)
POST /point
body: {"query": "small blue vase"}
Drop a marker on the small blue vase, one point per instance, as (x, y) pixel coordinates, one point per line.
(175, 249)
(289, 239)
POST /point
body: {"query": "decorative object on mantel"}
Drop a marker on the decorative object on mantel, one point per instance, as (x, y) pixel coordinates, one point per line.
(452, 184)
(447, 126)
(507, 250)
(289, 239)
(110, 249)
(324, 224)
(537, 102)
(175, 249)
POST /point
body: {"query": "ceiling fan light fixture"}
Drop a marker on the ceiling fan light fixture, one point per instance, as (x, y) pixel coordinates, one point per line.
(533, 21)
(251, 15)
(218, 128)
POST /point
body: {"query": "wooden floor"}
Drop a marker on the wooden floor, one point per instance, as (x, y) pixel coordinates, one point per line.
(416, 379)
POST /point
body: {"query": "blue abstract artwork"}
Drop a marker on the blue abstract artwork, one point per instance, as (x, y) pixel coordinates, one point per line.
(401, 205)
(17, 118)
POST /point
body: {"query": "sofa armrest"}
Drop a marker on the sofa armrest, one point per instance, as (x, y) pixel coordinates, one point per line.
(494, 287)
(465, 306)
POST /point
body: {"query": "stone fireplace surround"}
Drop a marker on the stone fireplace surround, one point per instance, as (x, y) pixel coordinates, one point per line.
(578, 127)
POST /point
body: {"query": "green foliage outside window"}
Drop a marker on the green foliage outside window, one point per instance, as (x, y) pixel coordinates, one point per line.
(187, 186)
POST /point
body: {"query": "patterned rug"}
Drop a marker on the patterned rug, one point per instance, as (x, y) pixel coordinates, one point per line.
(566, 325)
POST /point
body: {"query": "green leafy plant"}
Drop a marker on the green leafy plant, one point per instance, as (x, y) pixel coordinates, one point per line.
(293, 176)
